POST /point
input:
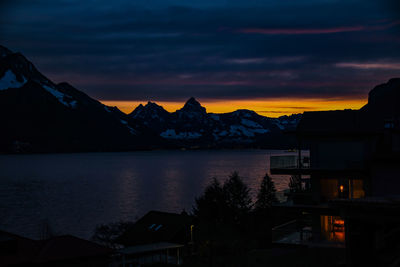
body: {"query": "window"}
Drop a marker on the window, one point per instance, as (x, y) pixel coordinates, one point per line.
(341, 188)
(332, 228)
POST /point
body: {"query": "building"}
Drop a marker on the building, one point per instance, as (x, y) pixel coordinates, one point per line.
(56, 251)
(350, 180)
(157, 237)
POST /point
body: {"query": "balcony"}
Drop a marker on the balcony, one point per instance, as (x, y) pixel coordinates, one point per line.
(288, 164)
(300, 232)
(292, 233)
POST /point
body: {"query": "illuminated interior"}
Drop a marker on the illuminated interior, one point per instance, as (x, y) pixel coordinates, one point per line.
(358, 189)
(332, 228)
(341, 188)
(329, 188)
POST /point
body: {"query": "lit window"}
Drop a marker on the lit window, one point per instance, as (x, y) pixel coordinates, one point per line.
(332, 228)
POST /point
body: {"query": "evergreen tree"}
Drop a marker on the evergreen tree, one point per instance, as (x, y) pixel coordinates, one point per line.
(266, 195)
(237, 197)
(211, 206)
(223, 218)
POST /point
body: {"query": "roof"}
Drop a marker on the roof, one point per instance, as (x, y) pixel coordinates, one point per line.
(334, 122)
(158, 226)
(16, 249)
(21, 250)
(150, 247)
(69, 247)
(383, 104)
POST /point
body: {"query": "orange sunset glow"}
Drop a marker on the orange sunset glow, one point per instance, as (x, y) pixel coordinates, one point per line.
(268, 107)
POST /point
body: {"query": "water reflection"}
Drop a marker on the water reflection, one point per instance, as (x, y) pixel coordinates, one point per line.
(76, 192)
(128, 193)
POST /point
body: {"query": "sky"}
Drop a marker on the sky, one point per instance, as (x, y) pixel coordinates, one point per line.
(274, 57)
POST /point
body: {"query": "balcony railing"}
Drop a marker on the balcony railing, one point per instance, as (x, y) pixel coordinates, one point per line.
(292, 233)
(300, 232)
(289, 162)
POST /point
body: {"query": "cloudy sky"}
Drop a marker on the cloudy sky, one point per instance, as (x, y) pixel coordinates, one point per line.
(276, 57)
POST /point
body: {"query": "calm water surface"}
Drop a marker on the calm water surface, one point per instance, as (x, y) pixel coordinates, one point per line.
(75, 192)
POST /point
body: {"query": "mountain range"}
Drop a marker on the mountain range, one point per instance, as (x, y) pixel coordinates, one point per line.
(38, 115)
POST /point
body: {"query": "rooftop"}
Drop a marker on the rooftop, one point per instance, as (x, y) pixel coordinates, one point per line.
(150, 247)
(157, 226)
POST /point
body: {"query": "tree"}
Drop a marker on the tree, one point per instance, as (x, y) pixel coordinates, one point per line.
(266, 195)
(107, 234)
(237, 197)
(295, 184)
(227, 204)
(211, 206)
(223, 216)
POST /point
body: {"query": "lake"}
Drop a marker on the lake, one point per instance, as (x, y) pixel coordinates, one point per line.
(72, 193)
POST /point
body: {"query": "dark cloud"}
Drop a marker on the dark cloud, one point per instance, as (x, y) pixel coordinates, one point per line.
(170, 49)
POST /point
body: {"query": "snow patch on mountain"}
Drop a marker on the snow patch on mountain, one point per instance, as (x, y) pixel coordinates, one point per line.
(218, 132)
(214, 117)
(171, 134)
(239, 130)
(73, 104)
(9, 80)
(250, 123)
(131, 130)
(60, 96)
(280, 126)
(244, 113)
(287, 122)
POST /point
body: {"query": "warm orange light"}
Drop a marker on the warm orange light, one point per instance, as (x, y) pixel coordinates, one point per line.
(333, 228)
(338, 222)
(268, 107)
(338, 237)
(341, 188)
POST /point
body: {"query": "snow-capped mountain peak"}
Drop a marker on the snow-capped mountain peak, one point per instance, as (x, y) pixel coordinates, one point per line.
(16, 71)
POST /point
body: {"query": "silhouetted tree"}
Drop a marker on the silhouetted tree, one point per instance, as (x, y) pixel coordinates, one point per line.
(266, 195)
(262, 220)
(223, 213)
(106, 234)
(212, 205)
(237, 197)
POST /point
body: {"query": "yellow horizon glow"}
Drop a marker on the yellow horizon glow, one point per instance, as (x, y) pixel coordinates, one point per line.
(267, 107)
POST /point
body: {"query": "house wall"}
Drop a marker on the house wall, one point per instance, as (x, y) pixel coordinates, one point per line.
(385, 179)
(337, 154)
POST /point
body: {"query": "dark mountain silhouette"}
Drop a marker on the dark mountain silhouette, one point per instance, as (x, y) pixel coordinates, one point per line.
(38, 115)
(382, 112)
(384, 99)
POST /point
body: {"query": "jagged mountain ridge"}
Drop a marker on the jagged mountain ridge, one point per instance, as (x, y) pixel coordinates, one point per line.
(40, 116)
(192, 122)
